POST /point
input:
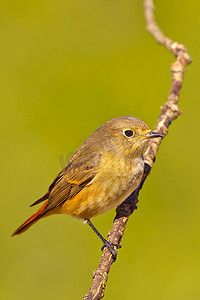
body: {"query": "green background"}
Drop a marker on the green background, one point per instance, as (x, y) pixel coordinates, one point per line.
(66, 67)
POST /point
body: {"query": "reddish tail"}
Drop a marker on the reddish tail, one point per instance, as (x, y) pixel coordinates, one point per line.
(34, 218)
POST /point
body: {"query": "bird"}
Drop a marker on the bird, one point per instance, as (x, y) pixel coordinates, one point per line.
(100, 175)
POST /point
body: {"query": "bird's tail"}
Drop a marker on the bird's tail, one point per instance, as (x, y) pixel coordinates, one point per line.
(34, 218)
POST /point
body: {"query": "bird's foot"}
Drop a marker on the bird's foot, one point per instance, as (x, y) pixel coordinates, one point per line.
(110, 247)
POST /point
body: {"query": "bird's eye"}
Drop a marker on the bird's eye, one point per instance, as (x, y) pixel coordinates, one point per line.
(128, 133)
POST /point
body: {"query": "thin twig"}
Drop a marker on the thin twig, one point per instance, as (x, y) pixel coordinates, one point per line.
(169, 112)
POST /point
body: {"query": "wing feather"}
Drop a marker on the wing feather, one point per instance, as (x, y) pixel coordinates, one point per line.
(70, 181)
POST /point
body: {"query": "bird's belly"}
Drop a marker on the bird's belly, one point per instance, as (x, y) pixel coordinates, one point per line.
(114, 202)
(116, 198)
(102, 195)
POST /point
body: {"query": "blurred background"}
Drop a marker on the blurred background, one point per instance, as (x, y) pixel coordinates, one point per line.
(66, 67)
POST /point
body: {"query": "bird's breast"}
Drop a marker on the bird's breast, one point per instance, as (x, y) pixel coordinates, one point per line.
(115, 180)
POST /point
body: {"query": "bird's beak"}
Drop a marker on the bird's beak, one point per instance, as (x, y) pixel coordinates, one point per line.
(152, 134)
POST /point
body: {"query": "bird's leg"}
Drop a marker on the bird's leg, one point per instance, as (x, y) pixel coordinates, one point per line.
(105, 242)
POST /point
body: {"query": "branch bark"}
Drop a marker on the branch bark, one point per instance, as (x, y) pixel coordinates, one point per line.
(169, 112)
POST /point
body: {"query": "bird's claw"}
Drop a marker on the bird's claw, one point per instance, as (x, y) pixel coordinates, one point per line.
(110, 247)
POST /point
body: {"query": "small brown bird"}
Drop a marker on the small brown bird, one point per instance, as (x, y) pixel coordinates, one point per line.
(101, 174)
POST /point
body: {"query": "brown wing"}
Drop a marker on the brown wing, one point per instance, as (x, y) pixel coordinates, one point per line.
(79, 172)
(63, 191)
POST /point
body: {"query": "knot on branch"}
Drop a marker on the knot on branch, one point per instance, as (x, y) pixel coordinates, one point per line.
(180, 51)
(170, 112)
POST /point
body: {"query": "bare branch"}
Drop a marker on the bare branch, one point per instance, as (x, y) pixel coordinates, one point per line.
(169, 112)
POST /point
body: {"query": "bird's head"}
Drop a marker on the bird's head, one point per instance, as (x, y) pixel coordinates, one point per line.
(126, 135)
